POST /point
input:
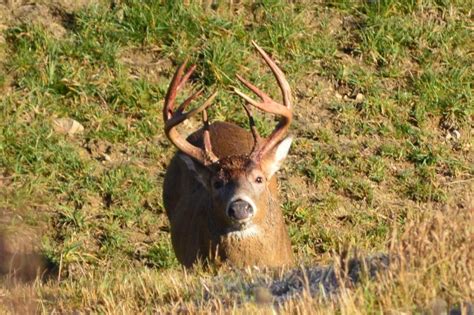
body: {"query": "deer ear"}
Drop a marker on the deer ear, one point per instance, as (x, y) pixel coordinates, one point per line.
(273, 160)
(200, 173)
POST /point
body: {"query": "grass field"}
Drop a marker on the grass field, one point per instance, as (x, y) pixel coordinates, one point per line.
(382, 161)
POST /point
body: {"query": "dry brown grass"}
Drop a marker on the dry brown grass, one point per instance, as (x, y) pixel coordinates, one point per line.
(433, 269)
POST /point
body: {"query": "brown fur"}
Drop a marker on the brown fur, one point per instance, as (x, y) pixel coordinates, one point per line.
(198, 232)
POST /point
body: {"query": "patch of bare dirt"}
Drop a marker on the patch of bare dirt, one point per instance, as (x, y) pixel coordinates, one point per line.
(5, 179)
(42, 15)
(67, 5)
(54, 16)
(312, 98)
(5, 17)
(146, 62)
(103, 151)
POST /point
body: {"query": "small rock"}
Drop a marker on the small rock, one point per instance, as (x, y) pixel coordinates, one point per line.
(453, 135)
(107, 157)
(456, 134)
(338, 96)
(263, 295)
(359, 98)
(120, 15)
(67, 126)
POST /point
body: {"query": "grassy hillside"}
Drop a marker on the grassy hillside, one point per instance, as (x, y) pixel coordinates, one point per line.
(382, 162)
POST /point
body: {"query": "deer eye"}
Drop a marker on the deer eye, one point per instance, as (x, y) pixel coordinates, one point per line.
(259, 179)
(218, 184)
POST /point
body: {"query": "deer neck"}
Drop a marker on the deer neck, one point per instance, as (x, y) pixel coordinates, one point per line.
(257, 244)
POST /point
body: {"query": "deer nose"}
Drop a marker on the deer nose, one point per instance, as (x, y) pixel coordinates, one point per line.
(240, 210)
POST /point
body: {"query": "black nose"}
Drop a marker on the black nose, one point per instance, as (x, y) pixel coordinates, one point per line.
(240, 210)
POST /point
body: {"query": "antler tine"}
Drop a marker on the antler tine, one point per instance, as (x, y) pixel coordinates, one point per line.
(179, 117)
(207, 138)
(176, 85)
(172, 91)
(173, 117)
(269, 105)
(188, 101)
(253, 128)
(186, 76)
(282, 82)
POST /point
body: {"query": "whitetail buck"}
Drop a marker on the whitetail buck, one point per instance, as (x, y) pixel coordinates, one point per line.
(220, 192)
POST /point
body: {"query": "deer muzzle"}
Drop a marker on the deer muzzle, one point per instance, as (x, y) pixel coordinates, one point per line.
(240, 211)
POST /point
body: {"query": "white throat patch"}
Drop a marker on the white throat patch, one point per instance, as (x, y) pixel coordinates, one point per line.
(251, 231)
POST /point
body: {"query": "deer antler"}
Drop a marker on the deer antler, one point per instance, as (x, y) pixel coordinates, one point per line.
(174, 117)
(268, 105)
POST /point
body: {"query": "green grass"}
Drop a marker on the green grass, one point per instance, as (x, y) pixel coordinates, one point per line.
(359, 171)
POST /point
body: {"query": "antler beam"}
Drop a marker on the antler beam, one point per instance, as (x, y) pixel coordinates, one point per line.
(267, 104)
(174, 117)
